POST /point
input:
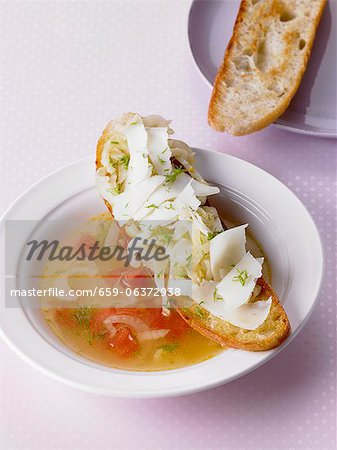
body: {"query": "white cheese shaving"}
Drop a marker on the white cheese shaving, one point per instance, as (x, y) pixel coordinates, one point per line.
(159, 151)
(138, 169)
(249, 316)
(227, 248)
(126, 204)
(171, 209)
(237, 286)
(163, 193)
(204, 190)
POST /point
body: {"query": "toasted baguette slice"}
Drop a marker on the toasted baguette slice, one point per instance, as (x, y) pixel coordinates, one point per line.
(264, 63)
(270, 334)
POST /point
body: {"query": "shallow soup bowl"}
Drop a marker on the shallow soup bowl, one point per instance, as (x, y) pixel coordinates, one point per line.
(247, 195)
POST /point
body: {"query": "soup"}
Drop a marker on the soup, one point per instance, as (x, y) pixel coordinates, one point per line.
(83, 330)
(121, 331)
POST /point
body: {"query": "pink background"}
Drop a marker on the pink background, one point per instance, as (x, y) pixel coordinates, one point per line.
(68, 67)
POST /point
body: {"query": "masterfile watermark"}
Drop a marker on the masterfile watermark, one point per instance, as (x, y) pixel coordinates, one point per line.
(97, 261)
(140, 250)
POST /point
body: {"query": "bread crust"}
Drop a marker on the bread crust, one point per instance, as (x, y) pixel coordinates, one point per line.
(218, 114)
(269, 335)
(99, 149)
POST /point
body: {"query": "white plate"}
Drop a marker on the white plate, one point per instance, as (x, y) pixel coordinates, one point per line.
(248, 194)
(313, 109)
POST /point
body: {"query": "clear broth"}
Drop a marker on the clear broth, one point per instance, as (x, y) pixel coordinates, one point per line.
(173, 351)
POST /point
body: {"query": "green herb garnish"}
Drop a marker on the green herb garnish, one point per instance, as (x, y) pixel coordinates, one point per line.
(241, 277)
(199, 312)
(116, 190)
(171, 177)
(124, 161)
(114, 142)
(169, 347)
(169, 207)
(113, 162)
(216, 296)
(83, 317)
(134, 123)
(152, 206)
(161, 160)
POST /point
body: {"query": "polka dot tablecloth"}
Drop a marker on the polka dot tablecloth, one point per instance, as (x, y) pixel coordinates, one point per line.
(67, 68)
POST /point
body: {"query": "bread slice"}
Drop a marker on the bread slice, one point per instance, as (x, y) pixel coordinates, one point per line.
(270, 334)
(264, 63)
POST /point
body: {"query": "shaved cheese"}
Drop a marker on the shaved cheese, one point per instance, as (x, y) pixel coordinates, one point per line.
(183, 153)
(157, 121)
(248, 317)
(182, 287)
(171, 209)
(203, 189)
(162, 194)
(172, 197)
(237, 286)
(187, 198)
(204, 292)
(180, 252)
(138, 169)
(181, 228)
(227, 248)
(159, 151)
(200, 224)
(212, 216)
(126, 204)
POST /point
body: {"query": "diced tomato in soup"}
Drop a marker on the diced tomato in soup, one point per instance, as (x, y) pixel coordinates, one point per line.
(123, 342)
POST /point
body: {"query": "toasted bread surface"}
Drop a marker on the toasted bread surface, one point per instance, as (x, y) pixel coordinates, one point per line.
(264, 63)
(270, 334)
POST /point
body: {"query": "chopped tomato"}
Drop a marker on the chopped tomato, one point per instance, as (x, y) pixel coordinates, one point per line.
(97, 319)
(172, 322)
(123, 342)
(178, 327)
(64, 317)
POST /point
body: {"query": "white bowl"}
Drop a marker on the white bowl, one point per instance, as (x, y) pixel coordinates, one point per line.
(277, 219)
